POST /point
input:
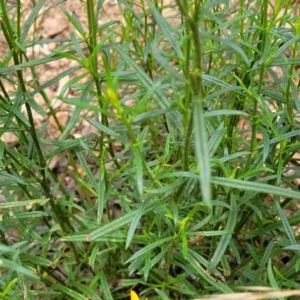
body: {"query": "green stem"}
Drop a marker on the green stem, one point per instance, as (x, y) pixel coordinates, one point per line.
(264, 33)
(194, 84)
(92, 44)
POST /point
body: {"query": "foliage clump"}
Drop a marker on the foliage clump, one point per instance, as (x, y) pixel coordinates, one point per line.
(185, 184)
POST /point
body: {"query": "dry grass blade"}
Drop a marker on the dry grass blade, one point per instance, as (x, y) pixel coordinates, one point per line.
(267, 294)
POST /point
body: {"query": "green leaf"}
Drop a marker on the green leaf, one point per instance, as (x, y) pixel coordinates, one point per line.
(216, 139)
(106, 130)
(161, 294)
(224, 112)
(225, 239)
(149, 247)
(102, 192)
(55, 79)
(230, 44)
(14, 111)
(23, 203)
(87, 170)
(30, 19)
(87, 291)
(78, 49)
(13, 178)
(109, 228)
(8, 287)
(31, 63)
(219, 82)
(293, 247)
(30, 215)
(202, 152)
(147, 267)
(166, 64)
(107, 24)
(68, 291)
(167, 189)
(41, 261)
(213, 233)
(175, 117)
(256, 187)
(135, 222)
(184, 244)
(62, 145)
(33, 104)
(267, 255)
(168, 30)
(138, 163)
(205, 275)
(104, 285)
(151, 114)
(74, 20)
(255, 209)
(286, 224)
(271, 276)
(284, 47)
(11, 265)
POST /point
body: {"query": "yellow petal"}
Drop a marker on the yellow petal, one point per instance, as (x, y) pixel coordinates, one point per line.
(133, 295)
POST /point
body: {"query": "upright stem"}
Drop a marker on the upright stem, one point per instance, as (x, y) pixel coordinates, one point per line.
(264, 33)
(194, 85)
(92, 44)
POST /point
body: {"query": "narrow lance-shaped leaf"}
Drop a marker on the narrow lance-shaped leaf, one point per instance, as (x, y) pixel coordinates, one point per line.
(225, 239)
(167, 30)
(202, 153)
(30, 19)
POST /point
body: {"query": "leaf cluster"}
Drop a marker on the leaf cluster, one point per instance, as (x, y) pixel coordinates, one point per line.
(171, 195)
